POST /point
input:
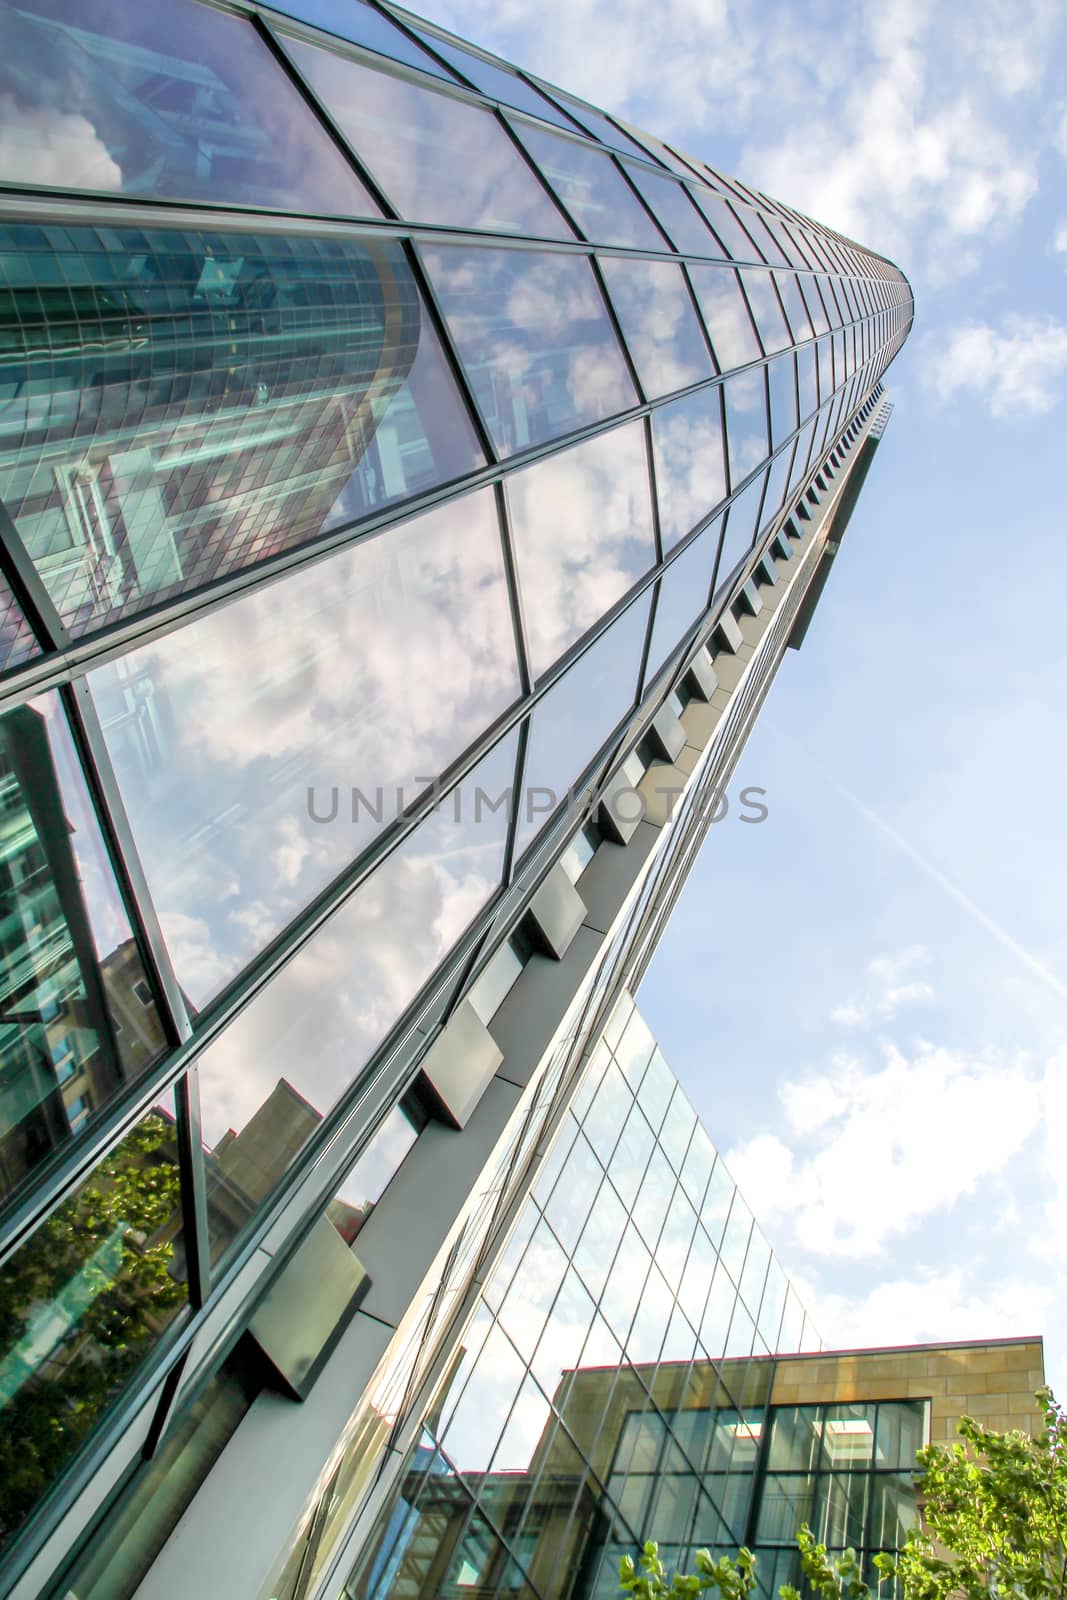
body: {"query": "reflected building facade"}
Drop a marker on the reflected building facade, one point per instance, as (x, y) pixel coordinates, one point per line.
(411, 479)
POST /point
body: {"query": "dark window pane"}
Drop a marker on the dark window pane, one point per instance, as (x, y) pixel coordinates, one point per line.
(745, 396)
(582, 525)
(674, 210)
(593, 190)
(17, 643)
(659, 323)
(894, 1509)
(767, 310)
(352, 20)
(218, 398)
(81, 1305)
(781, 377)
(73, 1025)
(786, 1503)
(726, 316)
(179, 100)
(437, 158)
(497, 83)
(901, 1431)
(576, 715)
(690, 470)
(281, 1065)
(534, 335)
(262, 748)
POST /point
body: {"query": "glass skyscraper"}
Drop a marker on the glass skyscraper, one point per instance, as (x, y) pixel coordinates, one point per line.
(410, 481)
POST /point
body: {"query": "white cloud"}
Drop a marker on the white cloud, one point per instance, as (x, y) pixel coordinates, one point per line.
(1059, 239)
(890, 986)
(1059, 138)
(932, 1304)
(1017, 369)
(866, 1155)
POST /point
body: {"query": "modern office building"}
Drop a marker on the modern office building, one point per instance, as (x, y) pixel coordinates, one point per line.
(411, 479)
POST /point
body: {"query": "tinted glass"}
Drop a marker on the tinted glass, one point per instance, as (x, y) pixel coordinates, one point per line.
(352, 20)
(268, 1080)
(438, 159)
(496, 82)
(745, 399)
(261, 748)
(178, 100)
(79, 1020)
(675, 211)
(576, 715)
(17, 643)
(81, 1305)
(767, 310)
(534, 335)
(683, 595)
(726, 316)
(690, 469)
(582, 525)
(659, 323)
(213, 399)
(592, 189)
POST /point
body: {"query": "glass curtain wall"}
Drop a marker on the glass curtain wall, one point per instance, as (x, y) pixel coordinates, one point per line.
(309, 322)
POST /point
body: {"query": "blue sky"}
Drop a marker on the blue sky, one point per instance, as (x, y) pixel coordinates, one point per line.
(866, 995)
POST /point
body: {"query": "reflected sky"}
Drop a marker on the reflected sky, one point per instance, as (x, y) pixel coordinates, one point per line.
(181, 101)
(800, 460)
(740, 528)
(659, 323)
(582, 526)
(675, 211)
(796, 310)
(807, 368)
(683, 595)
(777, 484)
(496, 82)
(534, 335)
(218, 731)
(437, 158)
(726, 316)
(593, 190)
(576, 715)
(360, 23)
(781, 378)
(729, 230)
(813, 299)
(767, 310)
(745, 397)
(690, 470)
(317, 1021)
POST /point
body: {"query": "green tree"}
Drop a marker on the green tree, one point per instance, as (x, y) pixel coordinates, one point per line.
(994, 1528)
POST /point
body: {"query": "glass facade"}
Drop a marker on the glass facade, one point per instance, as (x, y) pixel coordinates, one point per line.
(376, 424)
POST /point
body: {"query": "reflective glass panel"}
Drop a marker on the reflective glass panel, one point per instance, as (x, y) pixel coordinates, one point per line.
(369, 1176)
(534, 335)
(800, 459)
(437, 158)
(767, 310)
(351, 19)
(684, 591)
(740, 529)
(180, 100)
(745, 397)
(601, 127)
(200, 401)
(576, 715)
(17, 643)
(268, 1080)
(731, 234)
(592, 189)
(777, 484)
(726, 316)
(79, 1020)
(781, 377)
(630, 1157)
(901, 1432)
(673, 208)
(81, 1305)
(796, 310)
(261, 748)
(814, 301)
(768, 245)
(582, 525)
(496, 82)
(807, 377)
(690, 469)
(894, 1509)
(659, 323)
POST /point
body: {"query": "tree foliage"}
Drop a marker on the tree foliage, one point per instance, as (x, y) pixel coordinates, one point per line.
(994, 1528)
